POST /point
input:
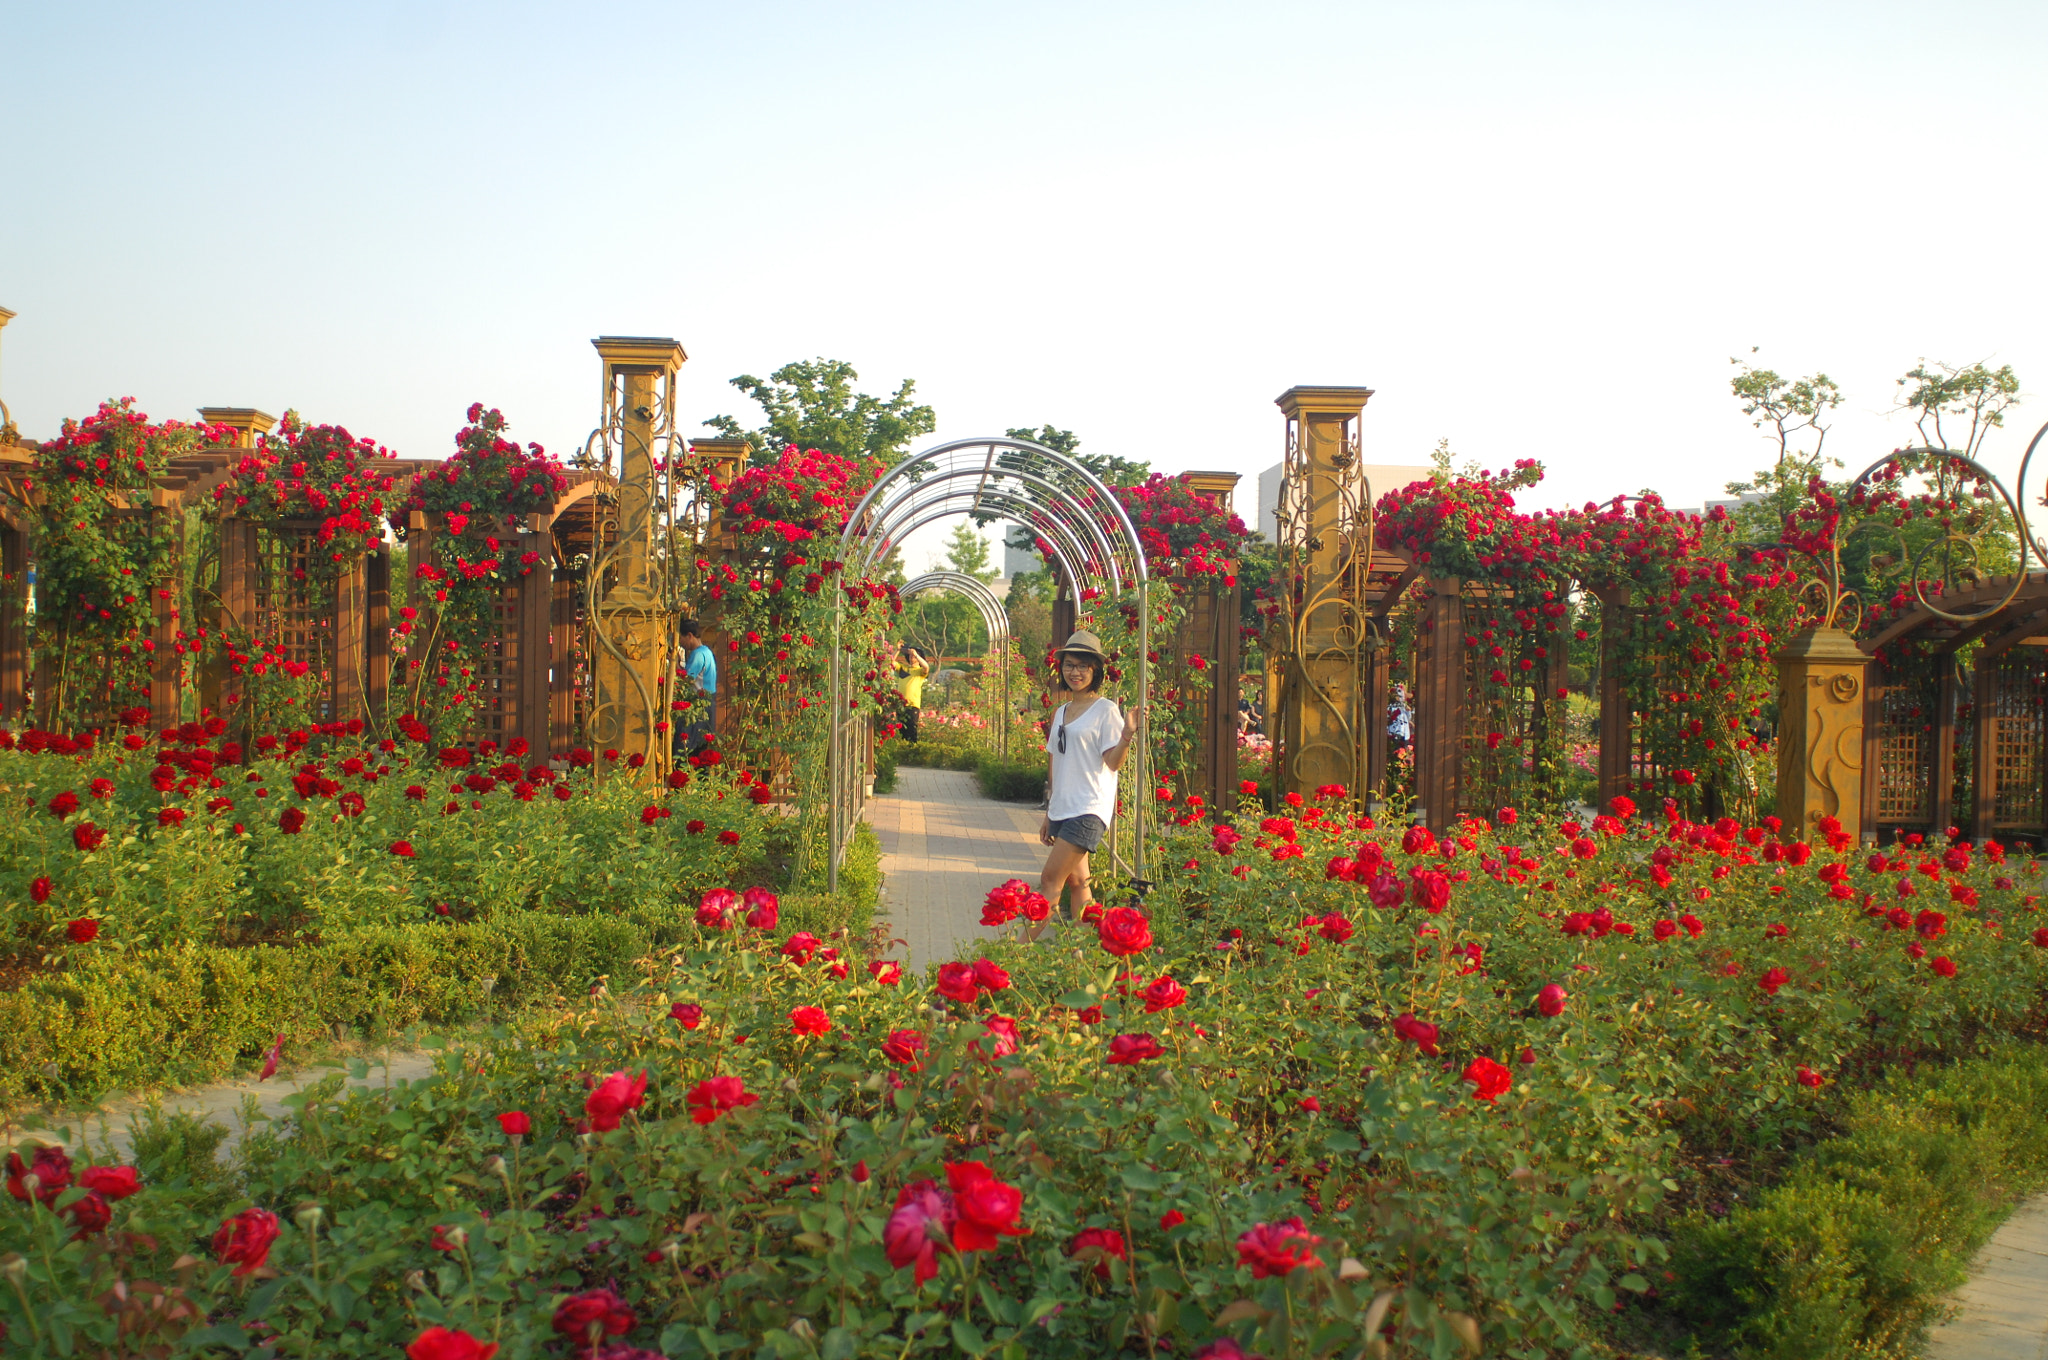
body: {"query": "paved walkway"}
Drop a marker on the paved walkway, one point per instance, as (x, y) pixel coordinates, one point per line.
(943, 847)
(2002, 1313)
(220, 1103)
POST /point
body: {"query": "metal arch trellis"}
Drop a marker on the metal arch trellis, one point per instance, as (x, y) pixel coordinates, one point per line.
(994, 617)
(1092, 539)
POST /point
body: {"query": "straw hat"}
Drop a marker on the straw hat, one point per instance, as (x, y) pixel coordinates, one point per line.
(1085, 643)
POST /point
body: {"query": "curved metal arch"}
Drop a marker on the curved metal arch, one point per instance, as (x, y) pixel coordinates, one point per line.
(2015, 506)
(919, 500)
(1083, 498)
(1069, 553)
(1091, 487)
(995, 616)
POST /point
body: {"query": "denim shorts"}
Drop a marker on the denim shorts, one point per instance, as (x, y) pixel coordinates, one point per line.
(1083, 833)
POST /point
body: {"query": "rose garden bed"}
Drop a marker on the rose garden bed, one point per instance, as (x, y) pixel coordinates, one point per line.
(1334, 1090)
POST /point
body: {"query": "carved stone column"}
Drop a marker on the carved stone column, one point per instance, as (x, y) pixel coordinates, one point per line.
(1820, 732)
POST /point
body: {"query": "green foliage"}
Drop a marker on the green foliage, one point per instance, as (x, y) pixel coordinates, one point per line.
(942, 623)
(811, 404)
(1011, 781)
(967, 552)
(1109, 469)
(1974, 399)
(1851, 1252)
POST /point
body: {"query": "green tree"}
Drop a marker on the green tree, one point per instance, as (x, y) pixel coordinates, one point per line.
(1974, 400)
(967, 553)
(1108, 469)
(1794, 412)
(812, 405)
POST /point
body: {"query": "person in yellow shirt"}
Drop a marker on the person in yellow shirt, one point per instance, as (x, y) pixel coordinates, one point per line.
(911, 670)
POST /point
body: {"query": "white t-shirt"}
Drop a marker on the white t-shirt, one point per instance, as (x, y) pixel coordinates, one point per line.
(1082, 786)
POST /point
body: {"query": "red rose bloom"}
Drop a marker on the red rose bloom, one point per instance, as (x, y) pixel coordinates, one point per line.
(905, 1046)
(1128, 1050)
(1808, 1077)
(1943, 966)
(39, 891)
(616, 1094)
(1278, 1248)
(1163, 995)
(584, 1317)
(87, 837)
(1100, 1243)
(1432, 891)
(1335, 928)
(1773, 979)
(687, 1014)
(1489, 1079)
(763, 909)
(83, 931)
(1171, 1219)
(716, 1096)
(438, 1343)
(1125, 931)
(799, 947)
(244, 1240)
(112, 1182)
(809, 1020)
(985, 1209)
(908, 1239)
(887, 972)
(291, 821)
(515, 1123)
(715, 909)
(402, 849)
(50, 1165)
(958, 982)
(1551, 1000)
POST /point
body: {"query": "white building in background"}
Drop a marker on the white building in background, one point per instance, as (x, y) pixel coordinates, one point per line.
(1016, 560)
(1382, 477)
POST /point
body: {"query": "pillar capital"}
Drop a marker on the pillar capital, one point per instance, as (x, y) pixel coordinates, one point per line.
(1220, 487)
(1323, 403)
(246, 421)
(640, 354)
(725, 456)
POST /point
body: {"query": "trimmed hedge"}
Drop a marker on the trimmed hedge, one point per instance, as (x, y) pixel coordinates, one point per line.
(169, 1016)
(1852, 1251)
(1010, 781)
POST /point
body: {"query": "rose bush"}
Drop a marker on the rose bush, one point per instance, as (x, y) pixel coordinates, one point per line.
(1312, 1138)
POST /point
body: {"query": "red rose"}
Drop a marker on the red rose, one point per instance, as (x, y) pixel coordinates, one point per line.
(1420, 1032)
(715, 909)
(618, 1093)
(905, 1046)
(908, 1238)
(2041, 938)
(1432, 891)
(39, 891)
(1164, 994)
(1551, 1000)
(170, 816)
(291, 821)
(1125, 931)
(1335, 928)
(585, 1317)
(1773, 979)
(1418, 840)
(515, 1123)
(1098, 1245)
(438, 1343)
(715, 1096)
(50, 1165)
(728, 838)
(799, 947)
(1489, 1079)
(687, 1014)
(83, 931)
(990, 975)
(1622, 807)
(1171, 1219)
(90, 1214)
(112, 1182)
(809, 1020)
(244, 1240)
(1664, 930)
(64, 804)
(958, 982)
(763, 909)
(887, 972)
(1278, 1248)
(87, 837)
(1808, 1077)
(1128, 1050)
(985, 1209)
(402, 849)
(1943, 966)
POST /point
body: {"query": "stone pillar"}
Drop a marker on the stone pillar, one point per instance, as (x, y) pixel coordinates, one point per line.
(632, 623)
(1820, 732)
(1322, 736)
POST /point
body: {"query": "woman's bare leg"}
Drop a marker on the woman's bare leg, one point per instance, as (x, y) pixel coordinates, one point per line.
(1066, 866)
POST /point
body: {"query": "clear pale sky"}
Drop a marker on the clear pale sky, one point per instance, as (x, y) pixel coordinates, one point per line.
(1537, 230)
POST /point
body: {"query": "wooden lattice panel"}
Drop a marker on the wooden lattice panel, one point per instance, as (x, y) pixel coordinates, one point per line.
(2018, 714)
(1904, 705)
(293, 610)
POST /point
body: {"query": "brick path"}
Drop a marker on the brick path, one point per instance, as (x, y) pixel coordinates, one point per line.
(943, 847)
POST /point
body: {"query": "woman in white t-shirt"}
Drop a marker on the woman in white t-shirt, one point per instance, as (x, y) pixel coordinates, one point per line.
(1087, 740)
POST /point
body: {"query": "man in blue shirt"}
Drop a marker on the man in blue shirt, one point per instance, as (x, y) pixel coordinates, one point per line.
(700, 671)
